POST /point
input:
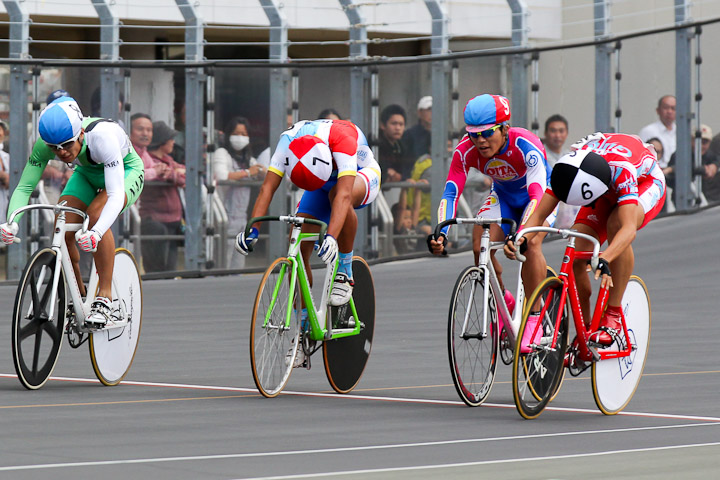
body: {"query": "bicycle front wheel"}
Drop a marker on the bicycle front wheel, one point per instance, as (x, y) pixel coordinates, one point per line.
(472, 342)
(112, 350)
(615, 380)
(538, 363)
(274, 338)
(36, 336)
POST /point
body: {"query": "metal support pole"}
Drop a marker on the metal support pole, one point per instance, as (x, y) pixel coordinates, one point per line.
(697, 160)
(211, 141)
(535, 87)
(618, 79)
(684, 198)
(358, 99)
(109, 51)
(278, 117)
(19, 46)
(519, 63)
(194, 162)
(440, 94)
(375, 134)
(602, 67)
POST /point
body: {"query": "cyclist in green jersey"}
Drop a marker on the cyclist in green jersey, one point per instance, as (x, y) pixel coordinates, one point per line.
(108, 177)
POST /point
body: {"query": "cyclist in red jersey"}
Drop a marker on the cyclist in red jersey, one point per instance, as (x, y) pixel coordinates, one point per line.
(620, 186)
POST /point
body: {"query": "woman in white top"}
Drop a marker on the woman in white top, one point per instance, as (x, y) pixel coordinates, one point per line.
(234, 161)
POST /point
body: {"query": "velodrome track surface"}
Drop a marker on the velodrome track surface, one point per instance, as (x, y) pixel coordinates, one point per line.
(189, 409)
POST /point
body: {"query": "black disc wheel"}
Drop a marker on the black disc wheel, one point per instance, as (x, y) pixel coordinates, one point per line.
(38, 320)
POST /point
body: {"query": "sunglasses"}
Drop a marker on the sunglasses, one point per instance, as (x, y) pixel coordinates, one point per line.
(485, 133)
(65, 145)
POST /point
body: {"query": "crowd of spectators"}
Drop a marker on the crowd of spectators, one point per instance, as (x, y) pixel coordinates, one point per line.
(404, 155)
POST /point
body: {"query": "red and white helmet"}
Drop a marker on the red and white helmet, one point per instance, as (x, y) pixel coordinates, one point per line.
(309, 162)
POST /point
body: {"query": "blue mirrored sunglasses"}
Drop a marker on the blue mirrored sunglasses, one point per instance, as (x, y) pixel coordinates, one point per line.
(485, 133)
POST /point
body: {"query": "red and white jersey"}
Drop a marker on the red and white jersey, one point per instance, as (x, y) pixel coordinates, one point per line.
(347, 143)
(631, 161)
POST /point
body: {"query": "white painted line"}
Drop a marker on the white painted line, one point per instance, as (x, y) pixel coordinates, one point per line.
(613, 431)
(487, 462)
(380, 398)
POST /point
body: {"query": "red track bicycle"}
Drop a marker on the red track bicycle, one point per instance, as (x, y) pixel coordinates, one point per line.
(538, 367)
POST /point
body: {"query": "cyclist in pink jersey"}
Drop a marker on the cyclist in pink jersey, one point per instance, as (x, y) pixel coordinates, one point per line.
(515, 160)
(620, 186)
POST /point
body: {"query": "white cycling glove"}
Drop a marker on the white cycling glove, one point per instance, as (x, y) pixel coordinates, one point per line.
(328, 251)
(8, 232)
(244, 244)
(88, 241)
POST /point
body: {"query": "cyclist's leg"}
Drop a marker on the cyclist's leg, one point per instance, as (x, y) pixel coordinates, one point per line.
(315, 204)
(78, 193)
(591, 221)
(105, 254)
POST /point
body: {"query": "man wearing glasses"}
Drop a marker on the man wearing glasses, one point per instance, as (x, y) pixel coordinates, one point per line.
(108, 177)
(515, 160)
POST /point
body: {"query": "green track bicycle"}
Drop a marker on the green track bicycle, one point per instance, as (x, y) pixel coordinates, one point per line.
(277, 334)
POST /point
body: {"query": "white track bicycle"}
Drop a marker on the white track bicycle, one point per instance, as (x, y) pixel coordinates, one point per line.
(44, 314)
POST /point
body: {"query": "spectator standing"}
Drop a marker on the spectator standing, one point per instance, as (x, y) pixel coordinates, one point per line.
(161, 210)
(234, 161)
(710, 165)
(391, 155)
(416, 140)
(709, 169)
(556, 133)
(141, 135)
(664, 128)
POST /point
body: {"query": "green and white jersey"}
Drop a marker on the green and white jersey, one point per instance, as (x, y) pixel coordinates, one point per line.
(104, 156)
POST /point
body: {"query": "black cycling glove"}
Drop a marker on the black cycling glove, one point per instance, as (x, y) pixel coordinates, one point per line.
(603, 267)
(444, 242)
(523, 246)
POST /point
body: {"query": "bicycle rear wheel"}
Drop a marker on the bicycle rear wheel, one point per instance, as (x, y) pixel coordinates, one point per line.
(615, 380)
(473, 354)
(537, 371)
(112, 350)
(36, 337)
(345, 358)
(274, 342)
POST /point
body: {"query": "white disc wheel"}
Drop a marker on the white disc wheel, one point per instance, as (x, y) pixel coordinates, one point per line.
(615, 380)
(112, 350)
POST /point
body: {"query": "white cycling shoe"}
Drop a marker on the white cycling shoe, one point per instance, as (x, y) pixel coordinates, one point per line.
(299, 358)
(341, 291)
(100, 313)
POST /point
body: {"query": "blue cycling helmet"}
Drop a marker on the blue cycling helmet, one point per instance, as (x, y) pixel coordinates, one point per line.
(485, 111)
(61, 121)
(55, 95)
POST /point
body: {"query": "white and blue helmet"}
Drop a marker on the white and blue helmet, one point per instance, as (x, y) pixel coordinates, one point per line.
(60, 121)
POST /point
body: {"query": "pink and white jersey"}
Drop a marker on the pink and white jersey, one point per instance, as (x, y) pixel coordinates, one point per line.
(519, 171)
(347, 143)
(632, 162)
